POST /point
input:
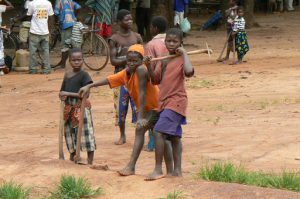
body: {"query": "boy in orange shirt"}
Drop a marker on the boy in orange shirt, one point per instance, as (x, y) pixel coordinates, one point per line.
(144, 94)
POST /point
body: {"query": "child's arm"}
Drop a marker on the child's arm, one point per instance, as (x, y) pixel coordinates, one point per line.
(153, 70)
(9, 6)
(143, 79)
(4, 28)
(187, 65)
(63, 94)
(86, 89)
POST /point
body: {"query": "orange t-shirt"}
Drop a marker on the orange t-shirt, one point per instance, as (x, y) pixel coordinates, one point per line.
(132, 84)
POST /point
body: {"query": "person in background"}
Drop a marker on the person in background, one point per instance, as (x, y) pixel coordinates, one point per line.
(4, 5)
(40, 11)
(105, 11)
(180, 10)
(240, 36)
(143, 18)
(119, 43)
(66, 12)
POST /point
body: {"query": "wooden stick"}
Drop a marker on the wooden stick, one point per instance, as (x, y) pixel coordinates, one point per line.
(79, 131)
(61, 131)
(224, 47)
(233, 50)
(208, 51)
(189, 53)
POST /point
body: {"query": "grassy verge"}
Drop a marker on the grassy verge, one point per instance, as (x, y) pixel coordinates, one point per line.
(72, 188)
(227, 172)
(11, 190)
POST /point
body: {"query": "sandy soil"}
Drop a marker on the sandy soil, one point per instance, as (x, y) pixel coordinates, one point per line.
(248, 114)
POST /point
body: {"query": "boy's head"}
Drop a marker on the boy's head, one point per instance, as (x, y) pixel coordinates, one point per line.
(174, 37)
(135, 55)
(240, 11)
(124, 19)
(158, 25)
(78, 15)
(76, 59)
(232, 3)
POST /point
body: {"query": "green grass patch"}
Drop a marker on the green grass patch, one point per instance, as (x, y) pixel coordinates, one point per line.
(228, 172)
(176, 194)
(11, 190)
(72, 188)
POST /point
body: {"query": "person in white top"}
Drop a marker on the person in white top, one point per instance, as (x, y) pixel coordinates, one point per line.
(240, 36)
(40, 10)
(4, 5)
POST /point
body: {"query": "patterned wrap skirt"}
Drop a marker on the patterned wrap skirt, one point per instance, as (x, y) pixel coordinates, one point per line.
(241, 44)
(88, 142)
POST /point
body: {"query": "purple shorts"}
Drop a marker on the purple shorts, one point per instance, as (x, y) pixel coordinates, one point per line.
(169, 123)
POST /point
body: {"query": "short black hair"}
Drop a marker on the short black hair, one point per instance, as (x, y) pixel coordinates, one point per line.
(122, 13)
(160, 22)
(74, 50)
(175, 31)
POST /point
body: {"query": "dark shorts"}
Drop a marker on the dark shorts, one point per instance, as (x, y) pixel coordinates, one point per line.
(169, 123)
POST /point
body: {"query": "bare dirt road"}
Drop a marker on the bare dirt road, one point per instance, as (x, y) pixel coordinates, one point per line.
(248, 114)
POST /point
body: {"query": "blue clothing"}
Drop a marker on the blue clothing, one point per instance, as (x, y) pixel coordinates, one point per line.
(64, 9)
(124, 101)
(180, 4)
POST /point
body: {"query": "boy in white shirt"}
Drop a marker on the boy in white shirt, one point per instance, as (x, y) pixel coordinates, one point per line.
(40, 10)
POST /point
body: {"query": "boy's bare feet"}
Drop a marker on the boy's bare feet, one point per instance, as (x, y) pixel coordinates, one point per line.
(120, 141)
(155, 176)
(177, 173)
(127, 171)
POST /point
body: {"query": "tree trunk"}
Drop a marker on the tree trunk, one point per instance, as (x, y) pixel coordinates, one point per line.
(164, 8)
(249, 13)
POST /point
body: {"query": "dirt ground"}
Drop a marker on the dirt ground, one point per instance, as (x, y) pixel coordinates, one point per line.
(247, 114)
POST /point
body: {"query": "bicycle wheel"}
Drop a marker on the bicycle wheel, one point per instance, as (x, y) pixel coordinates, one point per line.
(10, 45)
(95, 51)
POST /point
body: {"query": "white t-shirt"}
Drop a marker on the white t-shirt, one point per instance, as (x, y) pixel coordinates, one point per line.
(2, 9)
(40, 10)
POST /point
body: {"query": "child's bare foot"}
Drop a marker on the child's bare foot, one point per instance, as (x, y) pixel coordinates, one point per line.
(126, 171)
(120, 141)
(155, 176)
(177, 173)
(223, 59)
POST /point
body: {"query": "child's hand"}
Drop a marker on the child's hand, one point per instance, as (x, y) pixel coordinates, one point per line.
(180, 51)
(62, 95)
(141, 123)
(147, 60)
(84, 91)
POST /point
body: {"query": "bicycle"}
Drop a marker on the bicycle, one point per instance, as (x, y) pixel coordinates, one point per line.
(10, 40)
(94, 47)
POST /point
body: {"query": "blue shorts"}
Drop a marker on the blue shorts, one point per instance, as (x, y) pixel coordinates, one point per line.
(169, 123)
